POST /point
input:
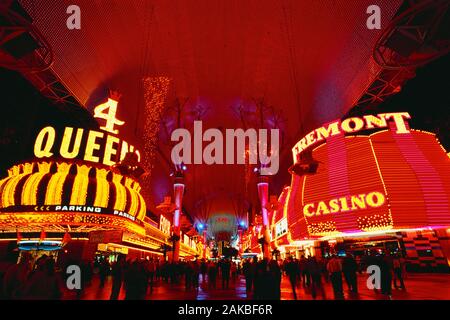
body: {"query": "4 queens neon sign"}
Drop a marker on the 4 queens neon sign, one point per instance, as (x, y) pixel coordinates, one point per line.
(351, 125)
(90, 145)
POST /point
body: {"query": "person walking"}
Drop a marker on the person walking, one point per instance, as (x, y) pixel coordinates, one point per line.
(334, 267)
(275, 275)
(315, 272)
(386, 268)
(262, 283)
(249, 274)
(323, 269)
(117, 273)
(203, 270)
(212, 275)
(303, 271)
(233, 270)
(225, 270)
(103, 271)
(398, 272)
(157, 269)
(151, 269)
(195, 274)
(350, 268)
(189, 275)
(135, 281)
(292, 271)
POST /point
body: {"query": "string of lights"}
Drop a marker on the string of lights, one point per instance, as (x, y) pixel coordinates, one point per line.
(155, 94)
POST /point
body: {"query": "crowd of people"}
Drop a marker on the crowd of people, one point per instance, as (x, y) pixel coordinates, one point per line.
(137, 277)
(25, 281)
(311, 273)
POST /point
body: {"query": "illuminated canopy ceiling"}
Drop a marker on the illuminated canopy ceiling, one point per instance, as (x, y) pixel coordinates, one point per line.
(291, 65)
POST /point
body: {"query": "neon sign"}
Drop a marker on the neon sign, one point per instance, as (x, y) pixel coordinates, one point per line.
(351, 125)
(222, 220)
(89, 145)
(344, 204)
(164, 225)
(281, 228)
(110, 116)
(60, 187)
(68, 208)
(99, 147)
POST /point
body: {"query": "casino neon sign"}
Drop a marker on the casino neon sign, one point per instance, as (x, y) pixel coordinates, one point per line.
(91, 145)
(373, 199)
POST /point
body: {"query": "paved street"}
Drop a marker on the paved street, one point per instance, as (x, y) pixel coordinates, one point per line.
(419, 287)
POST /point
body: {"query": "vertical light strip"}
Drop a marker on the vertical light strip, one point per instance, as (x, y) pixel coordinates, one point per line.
(102, 190)
(142, 208)
(294, 214)
(303, 190)
(2, 183)
(384, 185)
(178, 190)
(80, 186)
(285, 213)
(53, 195)
(9, 189)
(134, 197)
(121, 193)
(338, 177)
(30, 188)
(263, 192)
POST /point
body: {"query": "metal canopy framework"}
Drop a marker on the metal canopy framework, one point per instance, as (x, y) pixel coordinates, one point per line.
(415, 37)
(25, 49)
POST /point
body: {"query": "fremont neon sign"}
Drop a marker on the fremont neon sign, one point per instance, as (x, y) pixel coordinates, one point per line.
(373, 199)
(99, 146)
(351, 125)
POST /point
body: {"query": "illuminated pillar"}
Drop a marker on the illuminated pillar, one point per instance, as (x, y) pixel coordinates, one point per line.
(178, 190)
(240, 241)
(263, 193)
(204, 244)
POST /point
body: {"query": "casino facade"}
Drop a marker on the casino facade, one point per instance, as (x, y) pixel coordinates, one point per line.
(379, 186)
(100, 211)
(79, 198)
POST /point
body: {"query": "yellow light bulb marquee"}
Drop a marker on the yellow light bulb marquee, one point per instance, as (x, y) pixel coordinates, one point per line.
(29, 192)
(102, 194)
(53, 196)
(57, 192)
